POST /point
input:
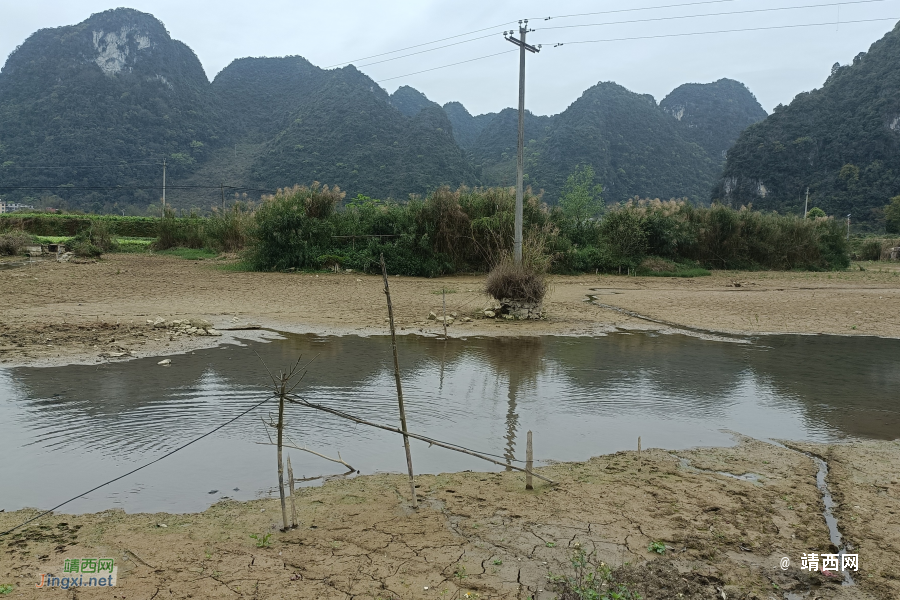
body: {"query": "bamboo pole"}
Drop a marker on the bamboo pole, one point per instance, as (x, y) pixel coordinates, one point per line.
(409, 465)
(529, 462)
(444, 298)
(291, 485)
(640, 457)
(282, 394)
(414, 436)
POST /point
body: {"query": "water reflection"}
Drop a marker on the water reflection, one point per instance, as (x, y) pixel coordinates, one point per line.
(581, 397)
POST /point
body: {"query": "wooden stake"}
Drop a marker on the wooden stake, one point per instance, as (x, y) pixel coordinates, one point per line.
(529, 462)
(291, 485)
(409, 465)
(444, 298)
(640, 458)
(282, 393)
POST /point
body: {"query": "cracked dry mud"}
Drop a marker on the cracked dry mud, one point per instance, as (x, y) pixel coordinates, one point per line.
(485, 535)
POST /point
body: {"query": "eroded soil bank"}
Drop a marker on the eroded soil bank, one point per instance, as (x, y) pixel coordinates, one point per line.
(484, 535)
(65, 311)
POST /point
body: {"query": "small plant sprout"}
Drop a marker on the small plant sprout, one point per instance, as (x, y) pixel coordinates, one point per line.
(460, 572)
(262, 539)
(658, 547)
(6, 588)
(551, 544)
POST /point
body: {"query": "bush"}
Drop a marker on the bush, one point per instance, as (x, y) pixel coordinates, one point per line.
(625, 238)
(172, 232)
(892, 216)
(815, 213)
(508, 280)
(93, 240)
(14, 242)
(228, 230)
(870, 249)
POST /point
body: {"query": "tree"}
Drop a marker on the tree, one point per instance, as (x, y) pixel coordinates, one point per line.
(581, 198)
(815, 212)
(892, 216)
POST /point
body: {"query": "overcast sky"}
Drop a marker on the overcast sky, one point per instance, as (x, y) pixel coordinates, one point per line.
(775, 64)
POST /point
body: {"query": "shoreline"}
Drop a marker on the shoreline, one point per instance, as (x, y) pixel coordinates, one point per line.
(483, 533)
(65, 313)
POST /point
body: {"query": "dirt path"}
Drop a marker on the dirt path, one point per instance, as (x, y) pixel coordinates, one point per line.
(483, 534)
(71, 311)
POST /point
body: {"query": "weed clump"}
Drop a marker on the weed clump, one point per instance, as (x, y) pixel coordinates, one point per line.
(507, 280)
(14, 242)
(93, 241)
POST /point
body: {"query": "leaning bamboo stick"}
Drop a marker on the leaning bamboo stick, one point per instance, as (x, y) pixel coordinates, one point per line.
(416, 436)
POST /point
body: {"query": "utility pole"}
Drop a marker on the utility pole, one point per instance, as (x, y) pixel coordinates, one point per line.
(164, 189)
(806, 206)
(848, 228)
(520, 163)
(223, 197)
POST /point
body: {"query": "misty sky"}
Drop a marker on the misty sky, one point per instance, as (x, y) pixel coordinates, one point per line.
(774, 64)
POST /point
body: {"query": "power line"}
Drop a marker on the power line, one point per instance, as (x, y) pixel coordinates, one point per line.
(621, 10)
(86, 166)
(378, 62)
(453, 37)
(718, 14)
(168, 454)
(418, 45)
(669, 35)
(445, 66)
(133, 187)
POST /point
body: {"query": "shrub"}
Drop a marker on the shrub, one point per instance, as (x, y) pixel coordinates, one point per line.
(815, 213)
(892, 216)
(526, 281)
(173, 232)
(624, 236)
(228, 230)
(14, 242)
(93, 240)
(870, 249)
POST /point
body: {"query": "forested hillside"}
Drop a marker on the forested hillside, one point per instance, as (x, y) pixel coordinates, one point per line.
(114, 92)
(714, 114)
(842, 141)
(106, 101)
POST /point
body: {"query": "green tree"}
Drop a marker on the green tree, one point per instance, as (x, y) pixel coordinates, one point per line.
(581, 198)
(892, 216)
(815, 212)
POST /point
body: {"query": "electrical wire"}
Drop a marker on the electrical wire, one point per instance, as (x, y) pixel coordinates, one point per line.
(621, 10)
(135, 187)
(671, 35)
(450, 65)
(166, 455)
(718, 14)
(453, 37)
(86, 166)
(378, 62)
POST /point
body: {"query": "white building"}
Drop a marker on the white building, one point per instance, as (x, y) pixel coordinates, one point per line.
(8, 207)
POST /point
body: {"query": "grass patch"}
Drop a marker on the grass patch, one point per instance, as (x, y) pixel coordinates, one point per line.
(660, 267)
(133, 245)
(190, 253)
(52, 239)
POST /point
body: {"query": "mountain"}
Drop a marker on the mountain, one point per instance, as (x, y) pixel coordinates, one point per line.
(342, 129)
(111, 91)
(411, 101)
(714, 114)
(106, 101)
(634, 147)
(841, 140)
(466, 128)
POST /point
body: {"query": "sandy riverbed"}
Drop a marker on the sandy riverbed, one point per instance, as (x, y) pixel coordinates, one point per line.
(54, 311)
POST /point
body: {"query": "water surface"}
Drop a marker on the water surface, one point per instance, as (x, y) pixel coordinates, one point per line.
(67, 429)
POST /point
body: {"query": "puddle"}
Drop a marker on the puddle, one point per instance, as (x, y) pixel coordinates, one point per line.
(686, 464)
(70, 428)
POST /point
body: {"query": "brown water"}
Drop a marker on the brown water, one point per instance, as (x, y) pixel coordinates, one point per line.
(67, 429)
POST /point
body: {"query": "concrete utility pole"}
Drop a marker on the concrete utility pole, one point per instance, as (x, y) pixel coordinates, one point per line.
(848, 228)
(520, 163)
(806, 206)
(164, 188)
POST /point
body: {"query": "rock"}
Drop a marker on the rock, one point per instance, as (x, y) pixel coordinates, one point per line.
(348, 271)
(447, 320)
(161, 525)
(212, 331)
(158, 322)
(192, 330)
(490, 314)
(200, 323)
(466, 319)
(165, 362)
(432, 316)
(508, 317)
(116, 354)
(453, 314)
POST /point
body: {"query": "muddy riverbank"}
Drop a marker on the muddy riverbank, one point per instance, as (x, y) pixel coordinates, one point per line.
(485, 535)
(85, 312)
